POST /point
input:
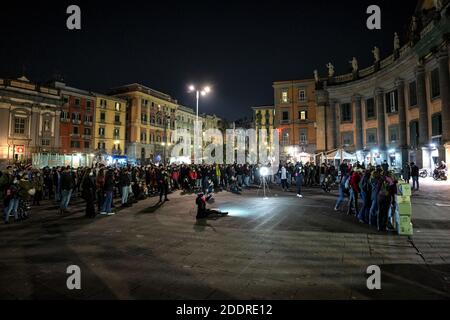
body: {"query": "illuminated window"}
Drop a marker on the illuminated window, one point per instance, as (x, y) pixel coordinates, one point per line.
(117, 106)
(302, 95)
(284, 96)
(303, 115)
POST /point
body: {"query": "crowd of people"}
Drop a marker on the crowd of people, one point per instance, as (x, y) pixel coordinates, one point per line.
(22, 187)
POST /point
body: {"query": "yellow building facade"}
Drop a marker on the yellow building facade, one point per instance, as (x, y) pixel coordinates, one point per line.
(151, 118)
(109, 125)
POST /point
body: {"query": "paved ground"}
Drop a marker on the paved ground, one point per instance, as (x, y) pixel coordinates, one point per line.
(279, 248)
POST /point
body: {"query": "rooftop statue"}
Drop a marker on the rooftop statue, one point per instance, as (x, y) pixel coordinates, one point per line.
(376, 54)
(438, 4)
(330, 70)
(396, 42)
(316, 76)
(354, 63)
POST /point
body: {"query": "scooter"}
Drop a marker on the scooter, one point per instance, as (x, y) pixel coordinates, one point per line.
(440, 175)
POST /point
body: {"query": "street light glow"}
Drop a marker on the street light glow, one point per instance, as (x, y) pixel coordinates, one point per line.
(207, 89)
(191, 88)
(203, 93)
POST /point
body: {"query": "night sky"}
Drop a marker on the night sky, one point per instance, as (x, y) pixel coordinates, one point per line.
(238, 47)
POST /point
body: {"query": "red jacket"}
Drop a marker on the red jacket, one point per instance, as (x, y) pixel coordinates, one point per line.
(354, 181)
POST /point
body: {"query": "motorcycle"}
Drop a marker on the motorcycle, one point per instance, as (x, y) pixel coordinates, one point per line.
(423, 173)
(440, 175)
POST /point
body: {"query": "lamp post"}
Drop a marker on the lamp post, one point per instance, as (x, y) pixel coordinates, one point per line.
(199, 93)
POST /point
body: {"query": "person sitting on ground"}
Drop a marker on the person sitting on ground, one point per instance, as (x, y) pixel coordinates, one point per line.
(202, 212)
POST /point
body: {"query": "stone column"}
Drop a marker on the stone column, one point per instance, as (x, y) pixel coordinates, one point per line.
(423, 152)
(423, 106)
(379, 100)
(358, 122)
(403, 142)
(331, 125)
(444, 82)
(56, 134)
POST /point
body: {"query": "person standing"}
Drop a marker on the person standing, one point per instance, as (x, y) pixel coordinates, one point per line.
(99, 184)
(299, 179)
(38, 184)
(415, 176)
(125, 183)
(163, 184)
(406, 172)
(108, 190)
(67, 185)
(385, 166)
(355, 179)
(88, 192)
(283, 178)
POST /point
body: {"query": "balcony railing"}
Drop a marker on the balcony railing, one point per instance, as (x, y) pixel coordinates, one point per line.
(88, 123)
(285, 121)
(75, 135)
(87, 136)
(118, 123)
(65, 120)
(75, 121)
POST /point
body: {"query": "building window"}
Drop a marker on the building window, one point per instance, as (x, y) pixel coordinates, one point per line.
(117, 106)
(393, 134)
(45, 142)
(346, 112)
(392, 102)
(101, 131)
(102, 116)
(414, 133)
(284, 96)
(103, 103)
(116, 132)
(66, 99)
(75, 130)
(101, 146)
(87, 145)
(144, 117)
(74, 144)
(19, 125)
(303, 115)
(302, 95)
(77, 102)
(303, 136)
(88, 105)
(88, 118)
(347, 139)
(370, 109)
(412, 94)
(87, 131)
(143, 137)
(435, 89)
(64, 115)
(285, 116)
(436, 125)
(371, 136)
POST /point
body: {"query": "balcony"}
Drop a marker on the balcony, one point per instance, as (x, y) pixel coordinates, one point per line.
(75, 121)
(65, 120)
(74, 135)
(88, 123)
(87, 137)
(116, 137)
(101, 136)
(102, 121)
(285, 121)
(118, 123)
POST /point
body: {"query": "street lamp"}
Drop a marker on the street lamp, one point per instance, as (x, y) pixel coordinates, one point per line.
(202, 92)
